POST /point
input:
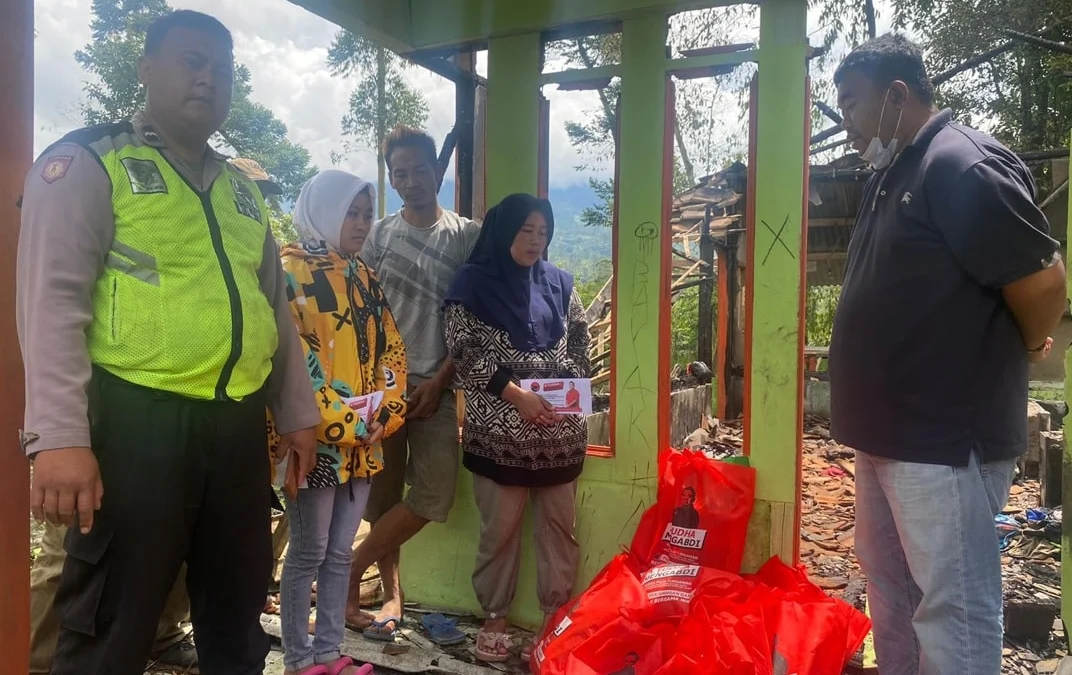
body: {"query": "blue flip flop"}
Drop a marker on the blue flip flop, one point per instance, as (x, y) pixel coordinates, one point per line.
(374, 633)
(442, 631)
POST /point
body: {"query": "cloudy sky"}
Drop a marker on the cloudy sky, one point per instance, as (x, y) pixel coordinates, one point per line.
(285, 48)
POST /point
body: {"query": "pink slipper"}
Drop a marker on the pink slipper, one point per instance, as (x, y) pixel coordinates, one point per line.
(341, 664)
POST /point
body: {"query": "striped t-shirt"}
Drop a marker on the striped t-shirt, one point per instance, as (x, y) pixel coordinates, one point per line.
(416, 266)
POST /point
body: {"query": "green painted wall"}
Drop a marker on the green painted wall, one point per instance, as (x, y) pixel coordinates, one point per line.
(776, 275)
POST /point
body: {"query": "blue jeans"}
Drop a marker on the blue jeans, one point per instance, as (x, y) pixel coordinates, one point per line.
(323, 525)
(925, 539)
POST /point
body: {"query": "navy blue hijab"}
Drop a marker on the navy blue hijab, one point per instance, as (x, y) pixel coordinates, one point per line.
(531, 304)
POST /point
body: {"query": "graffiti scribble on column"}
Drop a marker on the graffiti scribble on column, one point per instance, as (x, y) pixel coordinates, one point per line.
(777, 239)
(646, 234)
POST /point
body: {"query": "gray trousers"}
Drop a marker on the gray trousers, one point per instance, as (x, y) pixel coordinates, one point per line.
(499, 557)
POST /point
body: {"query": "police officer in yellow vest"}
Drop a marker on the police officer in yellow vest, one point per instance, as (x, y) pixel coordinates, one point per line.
(155, 330)
(171, 647)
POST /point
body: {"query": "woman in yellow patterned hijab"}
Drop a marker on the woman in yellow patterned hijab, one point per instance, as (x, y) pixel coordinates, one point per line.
(358, 366)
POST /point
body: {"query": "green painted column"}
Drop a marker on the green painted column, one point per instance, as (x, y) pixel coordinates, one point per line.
(513, 116)
(774, 369)
(613, 493)
(639, 273)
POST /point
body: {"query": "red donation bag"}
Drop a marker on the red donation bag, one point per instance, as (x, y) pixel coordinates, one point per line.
(701, 516)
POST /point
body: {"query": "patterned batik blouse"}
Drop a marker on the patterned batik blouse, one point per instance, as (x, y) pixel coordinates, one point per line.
(497, 443)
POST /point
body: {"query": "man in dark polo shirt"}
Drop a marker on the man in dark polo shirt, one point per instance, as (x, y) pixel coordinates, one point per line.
(953, 285)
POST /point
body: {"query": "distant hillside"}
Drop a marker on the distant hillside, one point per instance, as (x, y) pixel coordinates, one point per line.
(576, 248)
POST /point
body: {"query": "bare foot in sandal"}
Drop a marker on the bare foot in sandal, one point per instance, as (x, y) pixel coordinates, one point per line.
(358, 619)
(492, 642)
(385, 622)
(530, 645)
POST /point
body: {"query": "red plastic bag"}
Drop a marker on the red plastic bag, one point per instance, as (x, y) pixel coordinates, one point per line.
(622, 647)
(701, 516)
(679, 664)
(615, 593)
(726, 636)
(814, 633)
(671, 588)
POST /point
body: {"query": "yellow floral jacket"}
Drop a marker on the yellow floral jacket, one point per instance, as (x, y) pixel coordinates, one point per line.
(352, 348)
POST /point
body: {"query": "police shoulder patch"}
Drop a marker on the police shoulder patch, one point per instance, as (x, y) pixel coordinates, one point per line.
(56, 168)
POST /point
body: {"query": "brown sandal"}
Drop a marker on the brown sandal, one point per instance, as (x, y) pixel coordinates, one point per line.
(492, 647)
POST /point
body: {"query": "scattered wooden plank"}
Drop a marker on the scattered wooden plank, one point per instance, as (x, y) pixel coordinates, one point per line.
(847, 466)
(416, 660)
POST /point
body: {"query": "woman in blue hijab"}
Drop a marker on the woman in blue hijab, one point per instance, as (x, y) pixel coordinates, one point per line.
(511, 315)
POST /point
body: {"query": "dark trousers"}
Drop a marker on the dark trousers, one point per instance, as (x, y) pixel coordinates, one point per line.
(183, 481)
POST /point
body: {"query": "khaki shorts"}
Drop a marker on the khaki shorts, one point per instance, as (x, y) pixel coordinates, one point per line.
(423, 454)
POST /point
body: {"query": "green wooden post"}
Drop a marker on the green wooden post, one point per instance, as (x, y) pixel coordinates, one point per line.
(513, 116)
(640, 238)
(774, 371)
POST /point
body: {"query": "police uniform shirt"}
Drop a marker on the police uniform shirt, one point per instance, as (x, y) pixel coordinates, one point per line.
(67, 231)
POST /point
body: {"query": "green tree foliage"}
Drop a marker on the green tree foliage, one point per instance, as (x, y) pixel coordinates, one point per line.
(283, 227)
(819, 322)
(382, 98)
(114, 92)
(595, 138)
(685, 327)
(590, 280)
(601, 214)
(702, 140)
(839, 21)
(1022, 95)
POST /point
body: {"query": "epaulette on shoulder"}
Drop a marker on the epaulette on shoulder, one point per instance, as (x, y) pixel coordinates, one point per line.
(87, 136)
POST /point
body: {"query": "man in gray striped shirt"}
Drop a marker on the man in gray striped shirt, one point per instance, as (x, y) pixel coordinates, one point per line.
(415, 252)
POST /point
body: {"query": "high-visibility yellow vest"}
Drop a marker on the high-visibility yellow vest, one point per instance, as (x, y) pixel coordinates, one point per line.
(179, 307)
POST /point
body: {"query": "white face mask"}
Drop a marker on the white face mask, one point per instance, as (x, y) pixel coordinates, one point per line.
(880, 156)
